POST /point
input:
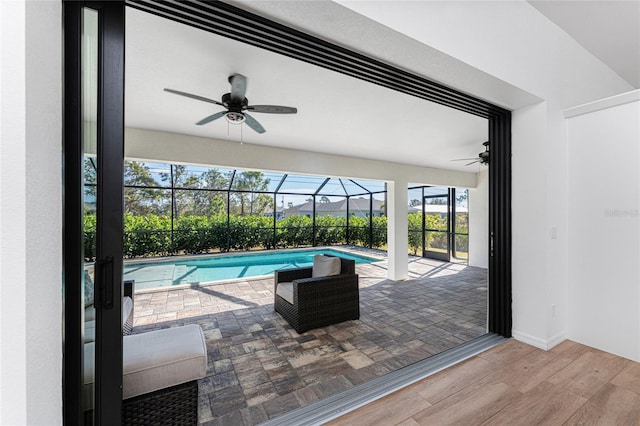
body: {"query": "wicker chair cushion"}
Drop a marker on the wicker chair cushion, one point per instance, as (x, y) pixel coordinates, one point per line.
(163, 358)
(285, 290)
(324, 266)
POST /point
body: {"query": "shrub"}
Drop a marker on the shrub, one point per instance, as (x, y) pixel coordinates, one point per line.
(330, 230)
(151, 235)
(379, 232)
(415, 232)
(148, 235)
(295, 231)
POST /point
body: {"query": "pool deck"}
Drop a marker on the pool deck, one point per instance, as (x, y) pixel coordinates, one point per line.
(260, 368)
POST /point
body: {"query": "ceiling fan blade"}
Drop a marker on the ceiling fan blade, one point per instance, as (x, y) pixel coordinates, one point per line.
(210, 118)
(196, 97)
(465, 159)
(473, 162)
(238, 87)
(253, 123)
(272, 109)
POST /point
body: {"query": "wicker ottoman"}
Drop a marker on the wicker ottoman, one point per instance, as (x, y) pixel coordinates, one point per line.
(160, 375)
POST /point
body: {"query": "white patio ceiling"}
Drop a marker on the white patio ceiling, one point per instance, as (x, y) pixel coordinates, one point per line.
(336, 114)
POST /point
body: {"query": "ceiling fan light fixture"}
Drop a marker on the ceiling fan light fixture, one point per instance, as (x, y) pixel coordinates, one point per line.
(235, 117)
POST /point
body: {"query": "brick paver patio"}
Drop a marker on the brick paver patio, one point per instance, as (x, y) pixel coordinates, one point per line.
(260, 368)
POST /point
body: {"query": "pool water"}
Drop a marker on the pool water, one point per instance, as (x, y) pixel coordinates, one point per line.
(223, 267)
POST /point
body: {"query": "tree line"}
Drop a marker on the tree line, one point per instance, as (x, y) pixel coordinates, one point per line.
(203, 194)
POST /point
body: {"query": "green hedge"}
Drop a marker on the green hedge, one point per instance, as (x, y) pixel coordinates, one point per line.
(151, 235)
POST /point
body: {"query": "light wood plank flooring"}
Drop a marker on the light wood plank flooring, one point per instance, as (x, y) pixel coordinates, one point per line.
(517, 384)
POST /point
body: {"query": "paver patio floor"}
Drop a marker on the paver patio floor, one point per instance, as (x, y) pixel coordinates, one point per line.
(260, 368)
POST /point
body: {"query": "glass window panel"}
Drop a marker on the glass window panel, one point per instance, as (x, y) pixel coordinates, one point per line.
(140, 173)
(435, 190)
(274, 180)
(462, 197)
(145, 201)
(359, 186)
(331, 219)
(332, 187)
(90, 180)
(250, 203)
(89, 63)
(379, 207)
(461, 250)
(208, 203)
(190, 176)
(301, 184)
(360, 206)
(251, 180)
(462, 222)
(415, 200)
(435, 221)
(436, 241)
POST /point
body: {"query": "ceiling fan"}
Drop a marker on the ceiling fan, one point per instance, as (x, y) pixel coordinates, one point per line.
(237, 105)
(483, 157)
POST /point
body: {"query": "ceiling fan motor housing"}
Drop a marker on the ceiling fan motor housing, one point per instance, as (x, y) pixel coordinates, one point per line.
(234, 114)
(234, 106)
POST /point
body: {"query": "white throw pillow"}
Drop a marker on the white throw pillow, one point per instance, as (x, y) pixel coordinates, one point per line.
(324, 266)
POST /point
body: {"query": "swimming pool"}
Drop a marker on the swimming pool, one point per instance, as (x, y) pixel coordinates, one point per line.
(192, 270)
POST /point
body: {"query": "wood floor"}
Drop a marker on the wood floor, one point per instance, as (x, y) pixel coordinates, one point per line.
(517, 384)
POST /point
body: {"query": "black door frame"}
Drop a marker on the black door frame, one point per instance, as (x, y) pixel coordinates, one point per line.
(108, 267)
(238, 24)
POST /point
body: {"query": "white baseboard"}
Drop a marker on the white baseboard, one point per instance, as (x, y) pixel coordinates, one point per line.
(544, 344)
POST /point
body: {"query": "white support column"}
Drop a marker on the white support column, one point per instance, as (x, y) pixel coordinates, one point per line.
(397, 230)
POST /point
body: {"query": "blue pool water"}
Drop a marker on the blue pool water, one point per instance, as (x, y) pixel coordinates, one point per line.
(223, 267)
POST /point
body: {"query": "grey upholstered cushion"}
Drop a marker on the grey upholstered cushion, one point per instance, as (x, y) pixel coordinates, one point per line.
(324, 266)
(285, 290)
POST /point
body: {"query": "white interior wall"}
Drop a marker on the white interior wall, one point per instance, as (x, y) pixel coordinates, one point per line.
(30, 213)
(479, 221)
(515, 43)
(530, 292)
(604, 244)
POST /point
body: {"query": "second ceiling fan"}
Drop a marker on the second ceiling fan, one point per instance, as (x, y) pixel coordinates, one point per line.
(237, 105)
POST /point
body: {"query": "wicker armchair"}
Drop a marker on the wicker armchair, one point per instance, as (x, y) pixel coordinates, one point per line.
(320, 301)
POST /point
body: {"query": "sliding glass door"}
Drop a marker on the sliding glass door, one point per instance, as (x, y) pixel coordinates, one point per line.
(93, 158)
